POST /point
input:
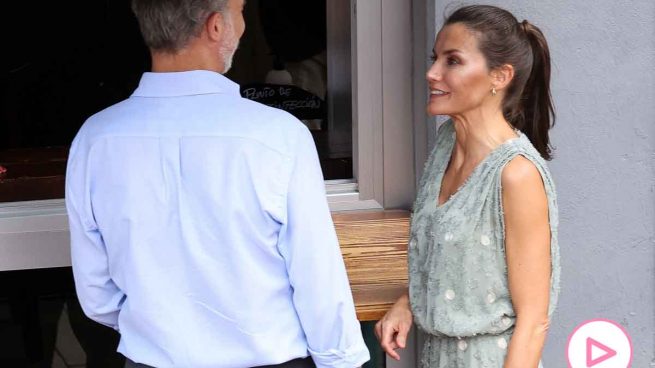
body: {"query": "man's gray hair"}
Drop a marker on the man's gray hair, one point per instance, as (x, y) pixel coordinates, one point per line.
(168, 25)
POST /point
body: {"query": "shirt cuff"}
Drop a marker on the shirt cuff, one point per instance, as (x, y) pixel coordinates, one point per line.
(352, 357)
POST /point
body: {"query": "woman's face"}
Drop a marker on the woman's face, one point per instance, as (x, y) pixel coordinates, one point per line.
(459, 79)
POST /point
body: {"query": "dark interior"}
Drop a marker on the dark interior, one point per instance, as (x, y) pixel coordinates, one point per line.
(68, 60)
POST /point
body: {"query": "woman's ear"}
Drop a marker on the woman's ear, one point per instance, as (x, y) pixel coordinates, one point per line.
(502, 76)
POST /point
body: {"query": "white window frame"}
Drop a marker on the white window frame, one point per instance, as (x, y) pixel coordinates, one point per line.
(34, 234)
(382, 91)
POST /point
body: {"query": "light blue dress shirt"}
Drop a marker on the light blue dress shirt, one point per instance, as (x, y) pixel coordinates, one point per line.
(200, 230)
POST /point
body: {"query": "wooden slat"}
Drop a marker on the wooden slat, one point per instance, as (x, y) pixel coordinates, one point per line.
(374, 248)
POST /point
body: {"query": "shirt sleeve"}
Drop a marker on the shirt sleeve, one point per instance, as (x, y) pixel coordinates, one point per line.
(308, 242)
(99, 296)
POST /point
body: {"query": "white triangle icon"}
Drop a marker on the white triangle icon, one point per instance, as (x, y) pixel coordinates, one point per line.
(597, 352)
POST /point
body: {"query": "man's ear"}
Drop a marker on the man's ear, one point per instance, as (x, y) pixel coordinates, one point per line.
(502, 76)
(215, 27)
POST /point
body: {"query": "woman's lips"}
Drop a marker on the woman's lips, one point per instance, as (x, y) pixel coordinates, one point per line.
(436, 93)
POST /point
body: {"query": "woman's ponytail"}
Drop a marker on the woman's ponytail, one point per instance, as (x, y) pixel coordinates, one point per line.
(536, 108)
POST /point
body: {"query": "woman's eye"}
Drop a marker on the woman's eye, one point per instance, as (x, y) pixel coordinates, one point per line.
(452, 61)
(433, 58)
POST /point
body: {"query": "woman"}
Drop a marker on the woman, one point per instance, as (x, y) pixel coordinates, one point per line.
(483, 253)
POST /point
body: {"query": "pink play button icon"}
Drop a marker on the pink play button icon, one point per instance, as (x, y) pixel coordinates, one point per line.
(592, 347)
(599, 343)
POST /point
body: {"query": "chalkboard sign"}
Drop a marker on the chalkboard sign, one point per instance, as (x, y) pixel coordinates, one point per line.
(294, 100)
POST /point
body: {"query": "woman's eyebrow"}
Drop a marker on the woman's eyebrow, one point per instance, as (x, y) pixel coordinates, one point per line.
(449, 51)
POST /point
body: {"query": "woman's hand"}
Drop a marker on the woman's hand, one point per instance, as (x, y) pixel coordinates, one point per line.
(393, 328)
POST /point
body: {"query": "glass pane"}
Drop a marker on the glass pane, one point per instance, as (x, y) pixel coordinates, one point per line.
(43, 326)
(82, 57)
(94, 56)
(283, 62)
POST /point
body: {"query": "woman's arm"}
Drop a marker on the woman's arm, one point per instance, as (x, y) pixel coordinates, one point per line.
(527, 246)
(393, 328)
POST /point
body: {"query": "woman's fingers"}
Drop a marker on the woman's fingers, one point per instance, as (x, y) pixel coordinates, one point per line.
(378, 330)
(387, 342)
(401, 336)
(393, 328)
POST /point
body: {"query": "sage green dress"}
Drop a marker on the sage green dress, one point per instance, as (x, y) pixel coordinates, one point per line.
(458, 283)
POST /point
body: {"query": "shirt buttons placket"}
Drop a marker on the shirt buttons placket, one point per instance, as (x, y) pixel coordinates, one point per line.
(462, 345)
(484, 240)
(502, 343)
(449, 294)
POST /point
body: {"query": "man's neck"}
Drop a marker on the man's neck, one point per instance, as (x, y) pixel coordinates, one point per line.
(190, 58)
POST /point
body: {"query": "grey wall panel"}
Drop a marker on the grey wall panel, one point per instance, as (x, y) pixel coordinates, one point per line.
(397, 103)
(367, 98)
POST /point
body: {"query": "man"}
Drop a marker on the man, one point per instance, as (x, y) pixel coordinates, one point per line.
(199, 223)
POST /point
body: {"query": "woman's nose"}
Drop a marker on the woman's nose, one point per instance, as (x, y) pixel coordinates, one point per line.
(433, 74)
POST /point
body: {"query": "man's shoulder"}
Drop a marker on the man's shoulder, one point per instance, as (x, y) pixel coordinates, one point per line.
(268, 124)
(275, 118)
(105, 120)
(233, 116)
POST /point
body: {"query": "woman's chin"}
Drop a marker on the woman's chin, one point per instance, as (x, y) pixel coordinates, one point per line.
(434, 110)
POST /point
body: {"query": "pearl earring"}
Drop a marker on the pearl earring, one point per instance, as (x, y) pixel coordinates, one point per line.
(493, 91)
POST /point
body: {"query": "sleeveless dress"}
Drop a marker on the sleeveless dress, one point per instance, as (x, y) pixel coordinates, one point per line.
(458, 284)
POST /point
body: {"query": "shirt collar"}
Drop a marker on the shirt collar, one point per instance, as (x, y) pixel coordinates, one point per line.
(189, 83)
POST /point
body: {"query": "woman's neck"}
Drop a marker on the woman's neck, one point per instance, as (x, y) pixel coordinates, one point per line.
(478, 133)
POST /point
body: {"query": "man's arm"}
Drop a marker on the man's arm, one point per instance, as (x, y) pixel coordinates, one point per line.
(308, 242)
(99, 297)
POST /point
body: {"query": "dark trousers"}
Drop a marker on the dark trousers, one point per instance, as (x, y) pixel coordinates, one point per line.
(296, 363)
